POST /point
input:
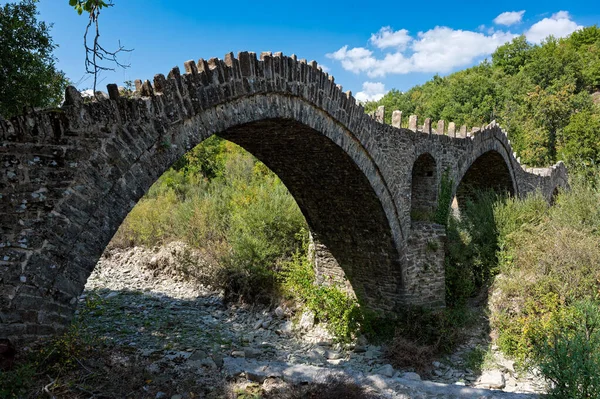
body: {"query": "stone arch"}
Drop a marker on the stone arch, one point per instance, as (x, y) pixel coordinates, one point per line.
(424, 187)
(489, 171)
(74, 173)
(334, 180)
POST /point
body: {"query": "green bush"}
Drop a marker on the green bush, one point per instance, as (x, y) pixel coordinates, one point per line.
(15, 383)
(338, 309)
(472, 245)
(568, 352)
(442, 211)
(548, 259)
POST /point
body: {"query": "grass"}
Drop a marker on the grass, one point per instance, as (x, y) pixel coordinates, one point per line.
(478, 359)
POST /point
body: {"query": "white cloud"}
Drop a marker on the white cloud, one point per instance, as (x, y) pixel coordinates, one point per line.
(509, 18)
(371, 91)
(356, 60)
(441, 49)
(438, 50)
(386, 37)
(558, 25)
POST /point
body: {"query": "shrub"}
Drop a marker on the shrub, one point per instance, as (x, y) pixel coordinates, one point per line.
(442, 211)
(15, 383)
(332, 387)
(472, 245)
(338, 309)
(421, 334)
(549, 259)
(568, 352)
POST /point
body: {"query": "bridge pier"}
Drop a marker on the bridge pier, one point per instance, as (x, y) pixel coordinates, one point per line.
(424, 276)
(425, 267)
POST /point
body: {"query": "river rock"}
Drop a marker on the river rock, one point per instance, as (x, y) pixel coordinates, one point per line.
(307, 321)
(491, 379)
(386, 370)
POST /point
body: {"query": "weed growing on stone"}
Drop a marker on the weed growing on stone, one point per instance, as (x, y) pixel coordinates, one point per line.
(339, 310)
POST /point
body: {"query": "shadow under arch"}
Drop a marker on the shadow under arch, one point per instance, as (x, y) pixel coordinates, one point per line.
(489, 172)
(424, 187)
(340, 206)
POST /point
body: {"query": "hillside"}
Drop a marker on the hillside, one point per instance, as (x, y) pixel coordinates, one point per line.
(542, 94)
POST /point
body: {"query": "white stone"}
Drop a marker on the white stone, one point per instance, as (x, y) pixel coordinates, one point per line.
(333, 355)
(411, 376)
(307, 321)
(279, 312)
(491, 379)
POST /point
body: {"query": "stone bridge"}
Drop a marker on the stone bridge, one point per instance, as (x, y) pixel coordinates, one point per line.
(71, 175)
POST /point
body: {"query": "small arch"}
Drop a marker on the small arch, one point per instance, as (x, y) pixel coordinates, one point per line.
(423, 188)
(488, 172)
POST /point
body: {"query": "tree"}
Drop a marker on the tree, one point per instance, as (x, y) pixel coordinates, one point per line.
(28, 75)
(512, 56)
(95, 53)
(579, 143)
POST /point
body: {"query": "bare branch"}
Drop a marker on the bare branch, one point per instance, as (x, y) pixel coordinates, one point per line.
(96, 56)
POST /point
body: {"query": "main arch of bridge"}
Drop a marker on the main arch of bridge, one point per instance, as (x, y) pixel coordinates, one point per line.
(73, 174)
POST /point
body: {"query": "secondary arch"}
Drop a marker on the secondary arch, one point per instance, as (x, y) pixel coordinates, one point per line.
(424, 187)
(489, 171)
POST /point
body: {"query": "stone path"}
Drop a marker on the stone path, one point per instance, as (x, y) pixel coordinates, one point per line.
(175, 324)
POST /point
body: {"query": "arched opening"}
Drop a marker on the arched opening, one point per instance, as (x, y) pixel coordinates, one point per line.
(341, 207)
(334, 179)
(424, 188)
(488, 172)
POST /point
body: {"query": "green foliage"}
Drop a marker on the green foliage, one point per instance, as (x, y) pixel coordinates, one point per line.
(548, 260)
(29, 76)
(15, 383)
(513, 56)
(57, 356)
(341, 312)
(471, 251)
(579, 141)
(88, 5)
(568, 352)
(64, 352)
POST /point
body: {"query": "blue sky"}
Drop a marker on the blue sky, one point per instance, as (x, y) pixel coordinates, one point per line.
(370, 47)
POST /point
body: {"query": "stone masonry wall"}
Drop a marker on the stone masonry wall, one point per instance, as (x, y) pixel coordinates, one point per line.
(70, 176)
(425, 264)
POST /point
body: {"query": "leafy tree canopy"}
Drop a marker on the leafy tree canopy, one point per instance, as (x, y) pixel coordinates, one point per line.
(28, 76)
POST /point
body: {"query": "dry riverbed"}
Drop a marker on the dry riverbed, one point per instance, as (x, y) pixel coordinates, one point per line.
(185, 342)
